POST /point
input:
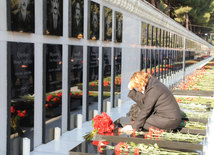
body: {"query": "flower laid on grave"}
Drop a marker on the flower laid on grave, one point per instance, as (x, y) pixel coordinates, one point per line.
(136, 149)
(196, 100)
(157, 134)
(100, 144)
(193, 125)
(102, 124)
(194, 107)
(199, 80)
(196, 115)
(80, 36)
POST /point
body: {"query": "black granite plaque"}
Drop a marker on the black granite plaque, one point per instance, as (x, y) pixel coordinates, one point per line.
(107, 24)
(53, 17)
(76, 18)
(94, 21)
(118, 61)
(119, 27)
(93, 63)
(107, 62)
(22, 68)
(144, 34)
(53, 67)
(76, 64)
(20, 15)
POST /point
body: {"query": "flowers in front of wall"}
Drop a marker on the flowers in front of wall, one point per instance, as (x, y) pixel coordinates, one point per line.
(118, 81)
(49, 97)
(106, 83)
(59, 94)
(102, 124)
(53, 100)
(16, 115)
(77, 94)
(21, 113)
(136, 149)
(12, 109)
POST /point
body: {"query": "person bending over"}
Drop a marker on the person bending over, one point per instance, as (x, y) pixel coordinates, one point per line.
(157, 106)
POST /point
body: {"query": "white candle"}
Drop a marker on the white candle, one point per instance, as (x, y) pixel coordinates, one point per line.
(79, 121)
(26, 146)
(57, 133)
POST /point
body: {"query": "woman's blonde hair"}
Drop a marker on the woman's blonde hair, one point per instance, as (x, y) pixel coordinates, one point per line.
(140, 79)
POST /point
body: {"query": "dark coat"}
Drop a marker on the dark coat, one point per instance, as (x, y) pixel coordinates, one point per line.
(158, 107)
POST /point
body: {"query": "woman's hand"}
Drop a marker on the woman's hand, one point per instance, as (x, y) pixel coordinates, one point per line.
(127, 129)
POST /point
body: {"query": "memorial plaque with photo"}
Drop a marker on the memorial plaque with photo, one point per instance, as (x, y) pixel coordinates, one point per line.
(53, 67)
(20, 15)
(53, 17)
(119, 27)
(94, 21)
(22, 68)
(76, 18)
(144, 34)
(149, 29)
(107, 24)
(153, 36)
(76, 64)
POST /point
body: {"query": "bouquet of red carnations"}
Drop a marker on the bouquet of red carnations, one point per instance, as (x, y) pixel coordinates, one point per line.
(102, 124)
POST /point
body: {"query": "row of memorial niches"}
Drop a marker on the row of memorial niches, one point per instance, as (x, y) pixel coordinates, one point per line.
(22, 66)
(21, 18)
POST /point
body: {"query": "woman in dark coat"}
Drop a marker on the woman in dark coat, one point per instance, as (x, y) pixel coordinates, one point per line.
(158, 106)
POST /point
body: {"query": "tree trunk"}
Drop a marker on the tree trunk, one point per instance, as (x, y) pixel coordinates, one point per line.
(152, 2)
(187, 21)
(157, 4)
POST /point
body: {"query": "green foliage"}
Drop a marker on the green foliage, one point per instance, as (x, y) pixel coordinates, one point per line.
(200, 12)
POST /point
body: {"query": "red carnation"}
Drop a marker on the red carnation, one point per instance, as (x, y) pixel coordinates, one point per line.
(49, 98)
(119, 148)
(148, 135)
(136, 151)
(151, 129)
(12, 109)
(59, 94)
